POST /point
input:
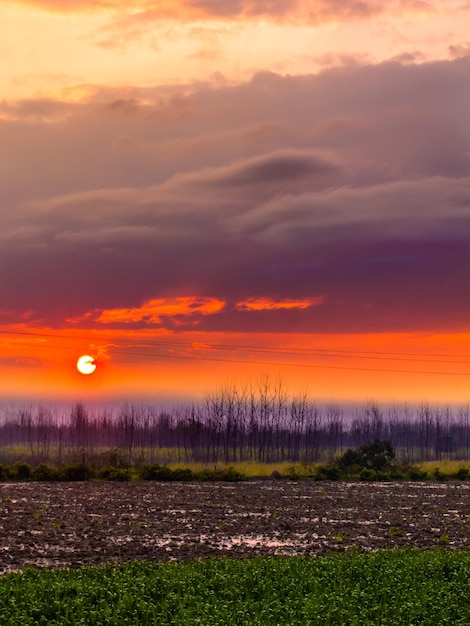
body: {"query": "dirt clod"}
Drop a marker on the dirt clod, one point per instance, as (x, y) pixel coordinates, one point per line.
(72, 524)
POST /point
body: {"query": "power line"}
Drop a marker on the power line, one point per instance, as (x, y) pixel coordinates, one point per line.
(258, 362)
(319, 352)
(286, 364)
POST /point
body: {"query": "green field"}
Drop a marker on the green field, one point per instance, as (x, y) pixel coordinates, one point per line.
(391, 587)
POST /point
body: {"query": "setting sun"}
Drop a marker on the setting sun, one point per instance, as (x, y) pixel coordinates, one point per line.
(86, 364)
(219, 191)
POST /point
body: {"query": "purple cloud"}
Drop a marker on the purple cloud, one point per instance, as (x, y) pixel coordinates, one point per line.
(351, 186)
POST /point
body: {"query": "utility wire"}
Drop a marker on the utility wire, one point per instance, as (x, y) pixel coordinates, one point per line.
(257, 362)
(318, 352)
(286, 364)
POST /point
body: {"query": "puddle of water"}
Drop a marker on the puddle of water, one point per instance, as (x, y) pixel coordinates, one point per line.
(250, 514)
(180, 511)
(295, 542)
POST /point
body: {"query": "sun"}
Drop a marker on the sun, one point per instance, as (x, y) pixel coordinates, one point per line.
(86, 364)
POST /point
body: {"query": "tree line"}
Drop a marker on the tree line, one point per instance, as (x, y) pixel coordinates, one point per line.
(233, 424)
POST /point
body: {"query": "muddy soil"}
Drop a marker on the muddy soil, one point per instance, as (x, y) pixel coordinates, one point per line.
(72, 524)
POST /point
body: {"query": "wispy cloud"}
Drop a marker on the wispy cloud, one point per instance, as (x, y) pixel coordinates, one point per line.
(153, 311)
(264, 304)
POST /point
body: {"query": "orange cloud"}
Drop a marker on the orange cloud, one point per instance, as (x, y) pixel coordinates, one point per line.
(152, 311)
(187, 10)
(264, 304)
(100, 352)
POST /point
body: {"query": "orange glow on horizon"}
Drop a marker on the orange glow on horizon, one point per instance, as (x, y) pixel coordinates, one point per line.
(143, 364)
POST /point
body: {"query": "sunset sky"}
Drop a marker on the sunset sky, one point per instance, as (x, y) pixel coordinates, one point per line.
(204, 192)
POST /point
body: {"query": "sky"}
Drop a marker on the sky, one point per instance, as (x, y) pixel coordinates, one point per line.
(209, 192)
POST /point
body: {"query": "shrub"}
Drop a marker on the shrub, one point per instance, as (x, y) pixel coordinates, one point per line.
(384, 476)
(462, 474)
(352, 470)
(21, 471)
(117, 474)
(377, 455)
(155, 472)
(207, 475)
(45, 473)
(395, 474)
(230, 474)
(349, 459)
(183, 474)
(415, 473)
(367, 474)
(77, 472)
(438, 475)
(328, 472)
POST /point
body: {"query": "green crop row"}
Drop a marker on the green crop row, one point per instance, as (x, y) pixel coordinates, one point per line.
(82, 471)
(333, 471)
(396, 588)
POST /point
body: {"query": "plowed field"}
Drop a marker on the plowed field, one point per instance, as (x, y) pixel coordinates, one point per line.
(72, 524)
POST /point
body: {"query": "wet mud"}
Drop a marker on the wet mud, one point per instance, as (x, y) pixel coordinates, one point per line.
(73, 524)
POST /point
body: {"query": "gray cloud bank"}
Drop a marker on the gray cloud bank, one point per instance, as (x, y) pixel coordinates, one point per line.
(352, 185)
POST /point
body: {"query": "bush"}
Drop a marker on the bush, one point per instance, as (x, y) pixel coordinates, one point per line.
(350, 459)
(183, 474)
(230, 474)
(117, 474)
(415, 473)
(77, 472)
(328, 472)
(45, 473)
(207, 475)
(396, 474)
(155, 472)
(377, 455)
(21, 471)
(462, 474)
(383, 476)
(367, 474)
(438, 475)
(353, 470)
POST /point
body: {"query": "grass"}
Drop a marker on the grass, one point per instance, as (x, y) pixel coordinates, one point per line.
(445, 466)
(392, 587)
(250, 469)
